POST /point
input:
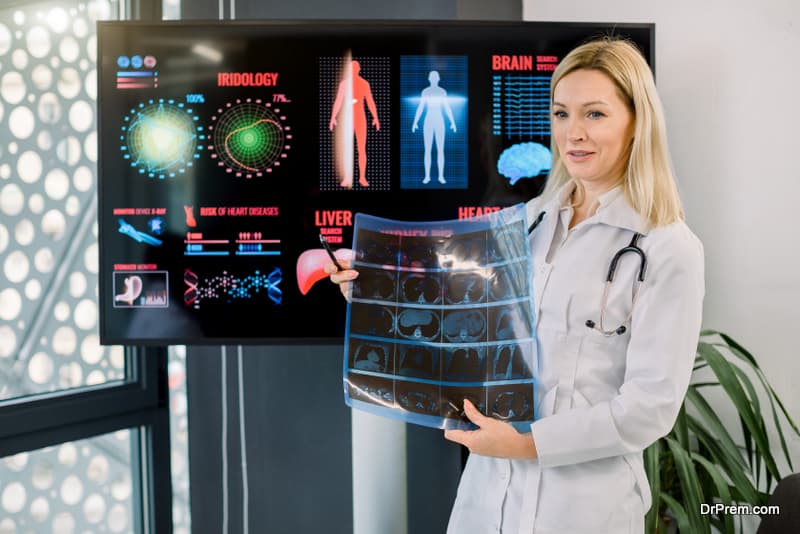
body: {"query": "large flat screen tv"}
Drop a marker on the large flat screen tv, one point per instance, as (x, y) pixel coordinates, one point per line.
(227, 148)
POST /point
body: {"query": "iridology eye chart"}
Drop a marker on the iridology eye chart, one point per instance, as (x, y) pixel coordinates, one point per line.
(442, 312)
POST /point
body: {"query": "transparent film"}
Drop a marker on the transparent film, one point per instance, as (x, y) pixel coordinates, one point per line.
(442, 311)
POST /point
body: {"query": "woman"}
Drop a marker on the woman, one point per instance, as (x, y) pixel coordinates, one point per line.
(614, 359)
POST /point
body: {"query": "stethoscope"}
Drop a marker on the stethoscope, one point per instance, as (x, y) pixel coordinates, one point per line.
(612, 268)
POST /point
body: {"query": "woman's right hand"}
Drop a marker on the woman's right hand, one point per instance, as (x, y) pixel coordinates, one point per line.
(344, 278)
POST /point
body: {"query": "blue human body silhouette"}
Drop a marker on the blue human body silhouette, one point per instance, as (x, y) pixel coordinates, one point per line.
(435, 103)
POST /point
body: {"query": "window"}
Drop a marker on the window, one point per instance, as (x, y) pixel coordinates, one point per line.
(84, 429)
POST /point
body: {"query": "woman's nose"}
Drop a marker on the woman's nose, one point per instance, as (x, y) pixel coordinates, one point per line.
(575, 131)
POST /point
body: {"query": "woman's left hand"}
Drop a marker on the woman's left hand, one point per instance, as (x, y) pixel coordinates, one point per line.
(493, 437)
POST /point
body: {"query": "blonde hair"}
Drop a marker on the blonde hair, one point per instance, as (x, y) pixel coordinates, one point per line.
(649, 182)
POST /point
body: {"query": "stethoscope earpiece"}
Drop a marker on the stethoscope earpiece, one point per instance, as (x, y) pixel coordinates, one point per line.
(619, 331)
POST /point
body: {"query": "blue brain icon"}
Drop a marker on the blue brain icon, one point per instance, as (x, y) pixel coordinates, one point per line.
(524, 160)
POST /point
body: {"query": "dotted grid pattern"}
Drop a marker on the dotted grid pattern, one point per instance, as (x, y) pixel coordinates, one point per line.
(81, 486)
(48, 149)
(376, 70)
(48, 274)
(425, 332)
(414, 72)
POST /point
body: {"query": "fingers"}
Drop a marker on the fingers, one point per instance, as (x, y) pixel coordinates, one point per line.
(473, 414)
(457, 436)
(341, 278)
(466, 437)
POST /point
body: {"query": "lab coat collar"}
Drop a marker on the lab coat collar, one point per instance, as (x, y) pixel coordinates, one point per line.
(614, 209)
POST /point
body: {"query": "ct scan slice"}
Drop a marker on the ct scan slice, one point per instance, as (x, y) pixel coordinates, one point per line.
(441, 312)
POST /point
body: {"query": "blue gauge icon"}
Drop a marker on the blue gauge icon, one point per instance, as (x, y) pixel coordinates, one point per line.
(136, 62)
(123, 62)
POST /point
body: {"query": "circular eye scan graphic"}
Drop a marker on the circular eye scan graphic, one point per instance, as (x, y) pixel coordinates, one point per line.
(250, 137)
(160, 138)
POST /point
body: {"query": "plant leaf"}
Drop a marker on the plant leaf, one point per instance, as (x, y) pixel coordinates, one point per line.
(679, 512)
(742, 354)
(753, 396)
(711, 421)
(692, 494)
(730, 382)
(698, 385)
(729, 461)
(652, 455)
(723, 492)
(680, 429)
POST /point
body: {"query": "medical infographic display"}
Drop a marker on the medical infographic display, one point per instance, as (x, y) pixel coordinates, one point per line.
(227, 148)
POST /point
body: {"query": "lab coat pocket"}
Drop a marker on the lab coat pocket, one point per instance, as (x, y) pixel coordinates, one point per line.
(601, 492)
(601, 366)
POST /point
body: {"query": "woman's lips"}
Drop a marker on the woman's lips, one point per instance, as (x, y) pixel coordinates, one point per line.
(579, 155)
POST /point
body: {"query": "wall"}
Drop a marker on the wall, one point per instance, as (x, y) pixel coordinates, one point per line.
(727, 73)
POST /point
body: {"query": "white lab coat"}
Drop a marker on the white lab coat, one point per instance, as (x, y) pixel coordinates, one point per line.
(602, 400)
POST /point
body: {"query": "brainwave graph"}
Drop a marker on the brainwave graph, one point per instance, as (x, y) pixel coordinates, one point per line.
(160, 138)
(520, 106)
(250, 137)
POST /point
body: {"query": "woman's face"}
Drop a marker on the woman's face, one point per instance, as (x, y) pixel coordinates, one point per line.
(592, 127)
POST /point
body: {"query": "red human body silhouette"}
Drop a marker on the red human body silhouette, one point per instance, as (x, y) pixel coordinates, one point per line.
(357, 88)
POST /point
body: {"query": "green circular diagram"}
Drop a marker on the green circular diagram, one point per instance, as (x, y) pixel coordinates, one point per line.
(159, 138)
(250, 138)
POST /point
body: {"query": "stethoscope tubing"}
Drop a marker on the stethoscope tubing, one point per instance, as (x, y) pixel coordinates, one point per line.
(633, 247)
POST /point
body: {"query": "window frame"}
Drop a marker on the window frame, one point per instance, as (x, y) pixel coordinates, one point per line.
(140, 403)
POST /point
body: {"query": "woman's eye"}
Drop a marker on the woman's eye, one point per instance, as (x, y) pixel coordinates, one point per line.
(559, 114)
(595, 114)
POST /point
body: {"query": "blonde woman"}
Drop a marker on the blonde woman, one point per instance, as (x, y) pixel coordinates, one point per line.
(615, 357)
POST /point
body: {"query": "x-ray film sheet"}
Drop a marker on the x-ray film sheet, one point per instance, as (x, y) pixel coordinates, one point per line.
(442, 311)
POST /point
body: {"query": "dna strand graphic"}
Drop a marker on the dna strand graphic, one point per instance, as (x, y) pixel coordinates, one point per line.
(227, 287)
(190, 294)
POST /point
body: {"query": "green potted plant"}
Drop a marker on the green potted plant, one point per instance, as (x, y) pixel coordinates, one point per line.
(698, 461)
